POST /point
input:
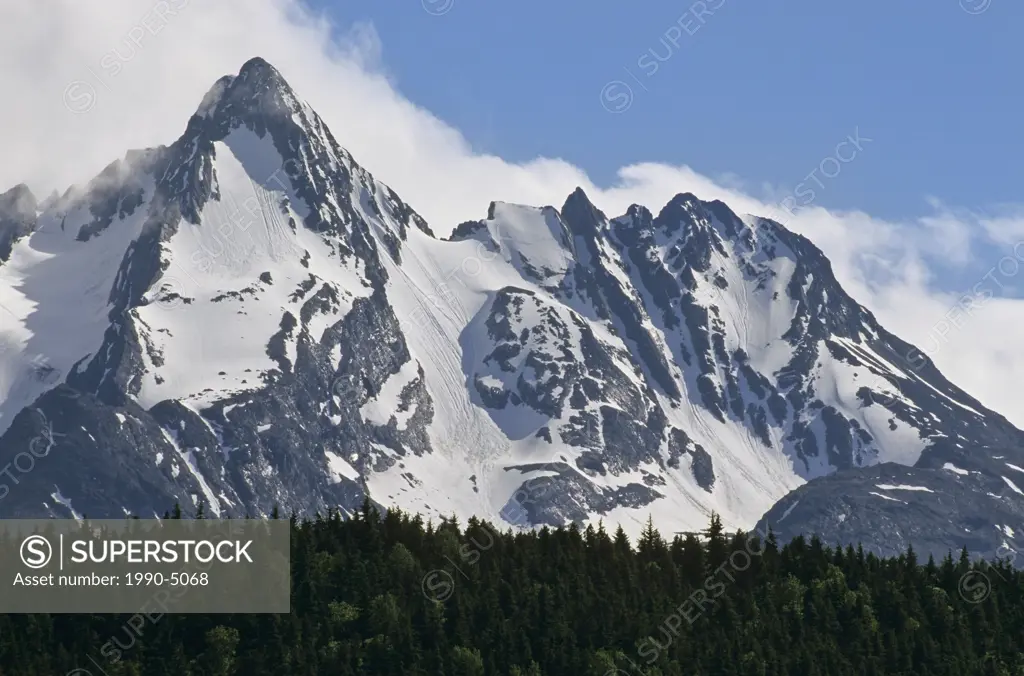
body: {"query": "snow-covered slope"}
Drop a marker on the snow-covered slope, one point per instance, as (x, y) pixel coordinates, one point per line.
(247, 318)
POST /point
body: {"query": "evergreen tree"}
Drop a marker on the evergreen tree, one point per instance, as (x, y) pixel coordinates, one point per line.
(563, 602)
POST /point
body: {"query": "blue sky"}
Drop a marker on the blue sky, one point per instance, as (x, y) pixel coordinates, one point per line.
(762, 91)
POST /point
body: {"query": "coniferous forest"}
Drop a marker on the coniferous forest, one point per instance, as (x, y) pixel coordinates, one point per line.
(388, 594)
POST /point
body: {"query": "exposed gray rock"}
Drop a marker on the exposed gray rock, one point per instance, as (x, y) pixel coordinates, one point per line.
(625, 346)
(889, 507)
(17, 218)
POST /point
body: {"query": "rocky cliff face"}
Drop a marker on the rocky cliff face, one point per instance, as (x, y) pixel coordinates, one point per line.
(247, 318)
(18, 211)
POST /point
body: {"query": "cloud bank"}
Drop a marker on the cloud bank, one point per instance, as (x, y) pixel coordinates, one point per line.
(88, 81)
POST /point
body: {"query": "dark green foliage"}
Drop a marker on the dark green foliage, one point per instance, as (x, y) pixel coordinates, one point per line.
(388, 595)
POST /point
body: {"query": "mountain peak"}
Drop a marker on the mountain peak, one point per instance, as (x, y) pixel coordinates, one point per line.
(668, 365)
(579, 192)
(260, 76)
(579, 199)
(684, 198)
(18, 208)
(19, 200)
(258, 87)
(580, 214)
(257, 66)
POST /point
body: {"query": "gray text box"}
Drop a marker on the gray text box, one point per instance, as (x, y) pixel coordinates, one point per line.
(145, 565)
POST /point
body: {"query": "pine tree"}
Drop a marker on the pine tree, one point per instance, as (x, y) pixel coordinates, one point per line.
(565, 601)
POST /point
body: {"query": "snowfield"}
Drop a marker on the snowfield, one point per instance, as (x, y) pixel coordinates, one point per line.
(301, 338)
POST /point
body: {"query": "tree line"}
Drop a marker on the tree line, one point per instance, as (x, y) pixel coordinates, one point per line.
(387, 594)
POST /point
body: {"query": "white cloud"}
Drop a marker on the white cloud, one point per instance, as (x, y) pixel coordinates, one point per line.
(87, 81)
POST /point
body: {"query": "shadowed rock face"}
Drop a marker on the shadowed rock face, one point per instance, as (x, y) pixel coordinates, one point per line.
(17, 218)
(572, 366)
(890, 507)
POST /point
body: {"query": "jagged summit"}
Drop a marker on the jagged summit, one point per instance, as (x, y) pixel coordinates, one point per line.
(18, 199)
(247, 318)
(578, 194)
(18, 209)
(580, 214)
(258, 69)
(257, 86)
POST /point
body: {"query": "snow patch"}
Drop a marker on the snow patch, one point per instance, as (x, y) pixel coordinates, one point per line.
(189, 459)
(339, 469)
(885, 497)
(61, 500)
(1013, 486)
(903, 487)
(380, 409)
(788, 510)
(956, 470)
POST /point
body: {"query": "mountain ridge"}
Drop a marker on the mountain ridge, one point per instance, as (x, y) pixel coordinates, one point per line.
(266, 324)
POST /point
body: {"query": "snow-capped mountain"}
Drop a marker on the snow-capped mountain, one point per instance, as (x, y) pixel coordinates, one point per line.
(247, 318)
